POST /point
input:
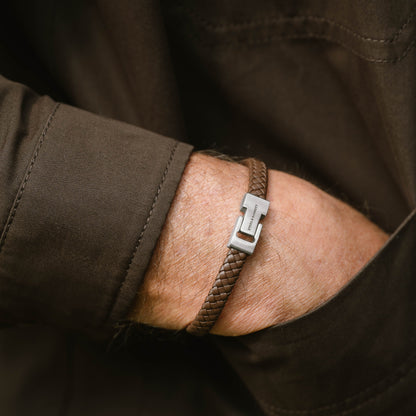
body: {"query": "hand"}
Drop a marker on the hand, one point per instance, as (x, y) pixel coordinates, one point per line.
(311, 246)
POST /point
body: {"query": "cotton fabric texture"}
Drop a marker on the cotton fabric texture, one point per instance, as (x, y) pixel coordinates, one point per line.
(102, 103)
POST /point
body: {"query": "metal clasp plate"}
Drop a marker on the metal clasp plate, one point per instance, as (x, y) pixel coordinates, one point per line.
(254, 209)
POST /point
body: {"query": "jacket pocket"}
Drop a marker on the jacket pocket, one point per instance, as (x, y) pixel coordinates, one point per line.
(356, 354)
(379, 32)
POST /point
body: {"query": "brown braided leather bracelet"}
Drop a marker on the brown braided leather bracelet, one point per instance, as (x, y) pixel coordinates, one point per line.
(255, 207)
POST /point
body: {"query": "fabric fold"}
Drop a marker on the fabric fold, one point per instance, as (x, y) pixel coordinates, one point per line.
(91, 203)
(357, 347)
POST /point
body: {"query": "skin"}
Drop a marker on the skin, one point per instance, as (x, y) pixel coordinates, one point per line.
(312, 245)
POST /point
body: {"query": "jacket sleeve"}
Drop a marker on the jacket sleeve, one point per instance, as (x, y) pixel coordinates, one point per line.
(83, 200)
(354, 355)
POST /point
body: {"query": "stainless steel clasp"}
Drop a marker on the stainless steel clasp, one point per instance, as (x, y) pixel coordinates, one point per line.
(254, 209)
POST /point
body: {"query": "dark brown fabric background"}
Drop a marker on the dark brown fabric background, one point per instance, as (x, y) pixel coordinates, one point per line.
(324, 89)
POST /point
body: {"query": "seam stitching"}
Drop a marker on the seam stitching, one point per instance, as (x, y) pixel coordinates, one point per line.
(309, 35)
(146, 223)
(346, 46)
(276, 19)
(22, 188)
(306, 36)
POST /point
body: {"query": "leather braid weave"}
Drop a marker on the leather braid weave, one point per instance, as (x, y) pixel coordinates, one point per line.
(233, 263)
(258, 177)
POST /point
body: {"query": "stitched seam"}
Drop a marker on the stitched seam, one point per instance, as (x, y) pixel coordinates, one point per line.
(308, 35)
(146, 223)
(390, 381)
(22, 188)
(347, 47)
(271, 38)
(275, 19)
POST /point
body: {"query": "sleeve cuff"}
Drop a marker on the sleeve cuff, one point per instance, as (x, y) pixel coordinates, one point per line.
(86, 218)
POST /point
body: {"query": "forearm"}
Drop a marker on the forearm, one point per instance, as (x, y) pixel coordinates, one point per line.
(311, 246)
(192, 243)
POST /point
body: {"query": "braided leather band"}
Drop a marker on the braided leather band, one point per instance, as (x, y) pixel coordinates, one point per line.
(255, 207)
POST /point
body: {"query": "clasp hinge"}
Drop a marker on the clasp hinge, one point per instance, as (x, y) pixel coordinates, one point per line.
(254, 209)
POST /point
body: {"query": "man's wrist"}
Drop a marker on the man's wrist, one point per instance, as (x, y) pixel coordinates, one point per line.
(192, 243)
(312, 245)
